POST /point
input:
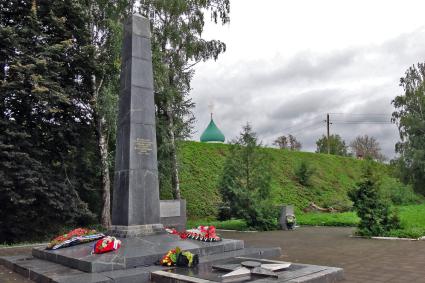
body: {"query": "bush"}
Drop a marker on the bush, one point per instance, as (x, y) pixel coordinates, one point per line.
(304, 172)
(224, 213)
(398, 193)
(261, 217)
(376, 217)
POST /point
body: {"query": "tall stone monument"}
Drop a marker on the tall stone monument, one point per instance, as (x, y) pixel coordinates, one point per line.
(135, 208)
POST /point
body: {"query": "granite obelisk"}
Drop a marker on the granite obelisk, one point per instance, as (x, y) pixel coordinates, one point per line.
(135, 208)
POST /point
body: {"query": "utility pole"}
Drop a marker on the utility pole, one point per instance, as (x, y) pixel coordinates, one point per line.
(327, 125)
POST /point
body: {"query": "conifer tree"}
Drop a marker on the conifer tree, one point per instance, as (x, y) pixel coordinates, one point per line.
(43, 115)
(245, 185)
(376, 217)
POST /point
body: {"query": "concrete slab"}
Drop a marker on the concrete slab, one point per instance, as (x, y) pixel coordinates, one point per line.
(205, 272)
(134, 252)
(42, 271)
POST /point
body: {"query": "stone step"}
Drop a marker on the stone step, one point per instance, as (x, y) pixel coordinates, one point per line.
(134, 252)
(44, 271)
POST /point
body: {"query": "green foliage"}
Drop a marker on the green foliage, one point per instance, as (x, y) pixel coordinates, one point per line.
(203, 163)
(47, 165)
(412, 219)
(289, 142)
(30, 196)
(337, 145)
(410, 118)
(398, 193)
(224, 213)
(245, 183)
(375, 214)
(304, 172)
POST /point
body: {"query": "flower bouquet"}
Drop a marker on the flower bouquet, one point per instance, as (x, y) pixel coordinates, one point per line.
(173, 231)
(74, 237)
(203, 233)
(177, 257)
(106, 244)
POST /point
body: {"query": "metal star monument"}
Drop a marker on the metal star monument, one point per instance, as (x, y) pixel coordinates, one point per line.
(245, 269)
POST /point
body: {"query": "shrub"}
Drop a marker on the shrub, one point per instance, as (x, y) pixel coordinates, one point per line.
(224, 213)
(376, 217)
(398, 193)
(304, 172)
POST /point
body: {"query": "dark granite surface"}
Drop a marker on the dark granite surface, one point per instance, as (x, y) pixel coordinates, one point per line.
(205, 272)
(46, 271)
(134, 252)
(136, 188)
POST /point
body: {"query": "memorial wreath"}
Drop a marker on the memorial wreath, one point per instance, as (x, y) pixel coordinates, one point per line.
(74, 237)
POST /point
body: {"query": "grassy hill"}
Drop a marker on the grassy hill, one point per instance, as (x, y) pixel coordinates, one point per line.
(202, 165)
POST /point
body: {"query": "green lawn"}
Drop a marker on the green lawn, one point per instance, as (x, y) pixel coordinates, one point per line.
(412, 221)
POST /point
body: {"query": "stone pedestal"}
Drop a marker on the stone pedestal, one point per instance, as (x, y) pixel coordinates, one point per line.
(135, 230)
(173, 214)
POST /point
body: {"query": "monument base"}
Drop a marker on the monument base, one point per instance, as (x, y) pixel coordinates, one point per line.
(42, 270)
(133, 262)
(135, 230)
(134, 252)
(209, 273)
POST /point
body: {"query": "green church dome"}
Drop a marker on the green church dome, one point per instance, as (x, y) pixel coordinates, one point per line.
(212, 133)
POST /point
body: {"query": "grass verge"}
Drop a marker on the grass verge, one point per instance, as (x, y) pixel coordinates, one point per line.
(412, 221)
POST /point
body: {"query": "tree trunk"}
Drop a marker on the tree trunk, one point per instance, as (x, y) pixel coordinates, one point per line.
(106, 182)
(175, 182)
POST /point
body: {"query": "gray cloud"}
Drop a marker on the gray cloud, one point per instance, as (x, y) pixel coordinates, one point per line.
(297, 93)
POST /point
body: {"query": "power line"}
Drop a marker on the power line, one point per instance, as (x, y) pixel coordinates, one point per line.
(363, 114)
(363, 122)
(294, 126)
(306, 127)
(365, 118)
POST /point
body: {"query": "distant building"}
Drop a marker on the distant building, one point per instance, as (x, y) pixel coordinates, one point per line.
(212, 133)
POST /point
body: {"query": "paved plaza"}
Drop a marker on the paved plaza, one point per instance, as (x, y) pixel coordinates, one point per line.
(363, 260)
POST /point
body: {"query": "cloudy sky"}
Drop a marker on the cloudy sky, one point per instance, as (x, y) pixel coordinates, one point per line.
(288, 63)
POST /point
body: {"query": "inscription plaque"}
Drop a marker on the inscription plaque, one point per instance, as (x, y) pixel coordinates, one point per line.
(143, 146)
